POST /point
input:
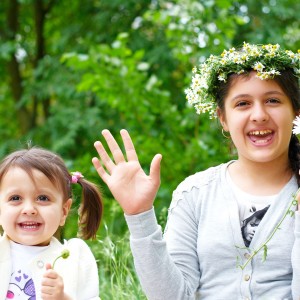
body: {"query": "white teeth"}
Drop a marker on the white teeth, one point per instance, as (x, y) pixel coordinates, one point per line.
(261, 142)
(260, 132)
(29, 225)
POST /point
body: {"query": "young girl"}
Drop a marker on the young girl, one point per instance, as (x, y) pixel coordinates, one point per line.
(255, 94)
(35, 199)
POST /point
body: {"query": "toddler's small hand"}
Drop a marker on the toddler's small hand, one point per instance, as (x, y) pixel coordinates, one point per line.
(52, 285)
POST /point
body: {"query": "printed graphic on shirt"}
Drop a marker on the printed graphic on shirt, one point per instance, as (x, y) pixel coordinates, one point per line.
(21, 286)
(249, 225)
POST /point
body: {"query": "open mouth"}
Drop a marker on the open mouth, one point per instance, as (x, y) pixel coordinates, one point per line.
(261, 136)
(30, 225)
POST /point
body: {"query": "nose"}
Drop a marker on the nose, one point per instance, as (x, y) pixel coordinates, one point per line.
(29, 208)
(259, 113)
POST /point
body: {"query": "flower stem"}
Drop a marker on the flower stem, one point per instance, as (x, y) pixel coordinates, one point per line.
(64, 254)
(56, 260)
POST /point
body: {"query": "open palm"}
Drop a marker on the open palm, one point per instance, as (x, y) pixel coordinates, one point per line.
(131, 187)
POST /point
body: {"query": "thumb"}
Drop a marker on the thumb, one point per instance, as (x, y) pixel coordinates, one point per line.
(155, 169)
(48, 266)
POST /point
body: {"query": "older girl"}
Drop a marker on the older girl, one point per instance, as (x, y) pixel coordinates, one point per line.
(254, 92)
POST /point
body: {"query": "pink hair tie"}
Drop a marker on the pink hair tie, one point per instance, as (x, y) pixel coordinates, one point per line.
(76, 176)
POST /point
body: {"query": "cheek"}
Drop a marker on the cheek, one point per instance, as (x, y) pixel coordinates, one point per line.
(7, 212)
(286, 125)
(8, 217)
(236, 130)
(230, 121)
(236, 122)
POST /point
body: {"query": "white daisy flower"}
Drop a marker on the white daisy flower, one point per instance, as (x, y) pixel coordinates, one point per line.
(296, 128)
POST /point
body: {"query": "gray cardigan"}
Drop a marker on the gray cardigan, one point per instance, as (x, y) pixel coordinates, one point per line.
(202, 245)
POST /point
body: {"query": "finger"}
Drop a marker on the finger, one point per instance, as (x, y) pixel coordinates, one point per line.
(46, 291)
(100, 170)
(105, 159)
(48, 283)
(113, 146)
(128, 144)
(49, 275)
(155, 169)
(48, 266)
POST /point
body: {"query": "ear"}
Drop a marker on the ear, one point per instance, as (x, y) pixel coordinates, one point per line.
(65, 211)
(222, 118)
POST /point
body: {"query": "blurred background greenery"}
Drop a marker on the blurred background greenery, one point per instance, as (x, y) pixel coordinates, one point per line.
(69, 69)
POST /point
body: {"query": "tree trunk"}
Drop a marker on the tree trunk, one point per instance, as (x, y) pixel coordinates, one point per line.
(15, 77)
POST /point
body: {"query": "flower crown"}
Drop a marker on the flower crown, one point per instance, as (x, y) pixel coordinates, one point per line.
(266, 60)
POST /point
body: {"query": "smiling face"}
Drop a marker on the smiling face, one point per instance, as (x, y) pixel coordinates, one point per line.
(259, 117)
(31, 208)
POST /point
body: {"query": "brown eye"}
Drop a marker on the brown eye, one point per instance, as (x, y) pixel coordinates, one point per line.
(273, 100)
(241, 103)
(15, 198)
(43, 198)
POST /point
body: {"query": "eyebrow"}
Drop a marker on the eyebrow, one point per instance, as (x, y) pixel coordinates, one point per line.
(265, 94)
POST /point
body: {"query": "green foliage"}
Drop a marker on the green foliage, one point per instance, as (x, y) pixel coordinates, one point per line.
(115, 264)
(134, 100)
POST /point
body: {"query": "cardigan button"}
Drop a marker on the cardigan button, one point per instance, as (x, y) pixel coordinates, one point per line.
(40, 264)
(246, 277)
(247, 255)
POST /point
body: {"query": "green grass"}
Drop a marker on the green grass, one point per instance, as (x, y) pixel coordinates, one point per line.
(117, 276)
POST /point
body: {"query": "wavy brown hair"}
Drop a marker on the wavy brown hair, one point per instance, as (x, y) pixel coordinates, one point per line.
(54, 168)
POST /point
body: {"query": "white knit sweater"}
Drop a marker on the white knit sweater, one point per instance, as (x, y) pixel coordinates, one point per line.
(79, 270)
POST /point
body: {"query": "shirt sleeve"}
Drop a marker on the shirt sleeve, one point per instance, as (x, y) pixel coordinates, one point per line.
(167, 265)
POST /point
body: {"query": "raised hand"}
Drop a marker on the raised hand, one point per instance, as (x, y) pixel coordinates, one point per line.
(131, 187)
